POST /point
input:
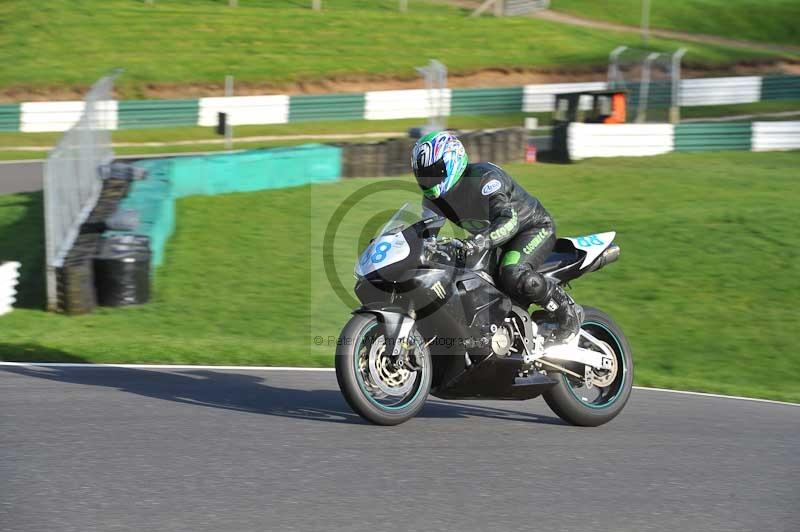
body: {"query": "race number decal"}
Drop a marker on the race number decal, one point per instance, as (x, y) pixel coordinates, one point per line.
(383, 251)
(588, 241)
(593, 245)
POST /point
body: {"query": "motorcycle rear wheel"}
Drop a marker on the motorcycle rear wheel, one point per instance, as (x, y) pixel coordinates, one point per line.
(573, 402)
(372, 387)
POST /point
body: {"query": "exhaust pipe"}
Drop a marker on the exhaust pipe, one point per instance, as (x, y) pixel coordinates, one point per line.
(607, 257)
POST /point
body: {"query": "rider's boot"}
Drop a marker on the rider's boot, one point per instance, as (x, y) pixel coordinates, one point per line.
(567, 313)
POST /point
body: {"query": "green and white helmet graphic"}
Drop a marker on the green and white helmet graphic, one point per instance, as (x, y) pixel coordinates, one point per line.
(439, 160)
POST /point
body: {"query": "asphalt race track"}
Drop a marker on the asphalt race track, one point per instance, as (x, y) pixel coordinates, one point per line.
(26, 176)
(135, 449)
(18, 177)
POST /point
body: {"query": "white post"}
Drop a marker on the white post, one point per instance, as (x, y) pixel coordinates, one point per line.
(645, 20)
(233, 3)
(404, 5)
(228, 125)
(644, 88)
(614, 77)
(316, 5)
(675, 108)
(498, 8)
(483, 7)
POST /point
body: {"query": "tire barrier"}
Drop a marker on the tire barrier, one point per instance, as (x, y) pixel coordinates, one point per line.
(122, 270)
(392, 157)
(75, 279)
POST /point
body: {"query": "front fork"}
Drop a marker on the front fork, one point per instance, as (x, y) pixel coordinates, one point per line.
(398, 327)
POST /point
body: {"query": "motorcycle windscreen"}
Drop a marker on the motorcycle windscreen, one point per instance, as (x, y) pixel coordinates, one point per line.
(389, 245)
(383, 251)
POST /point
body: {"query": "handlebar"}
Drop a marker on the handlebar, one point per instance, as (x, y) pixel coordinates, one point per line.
(443, 245)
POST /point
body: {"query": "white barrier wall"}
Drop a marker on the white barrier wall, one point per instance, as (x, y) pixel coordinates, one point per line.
(541, 98)
(244, 110)
(9, 274)
(390, 105)
(385, 105)
(776, 136)
(60, 116)
(619, 140)
(720, 91)
(49, 116)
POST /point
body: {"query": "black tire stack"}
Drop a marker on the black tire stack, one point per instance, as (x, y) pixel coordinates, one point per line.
(75, 280)
(393, 157)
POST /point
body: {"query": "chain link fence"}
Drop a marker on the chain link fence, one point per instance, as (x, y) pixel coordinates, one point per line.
(72, 181)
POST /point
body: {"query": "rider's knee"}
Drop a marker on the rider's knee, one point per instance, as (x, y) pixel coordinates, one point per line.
(525, 283)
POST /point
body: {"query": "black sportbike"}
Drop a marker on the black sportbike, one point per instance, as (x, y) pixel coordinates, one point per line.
(433, 321)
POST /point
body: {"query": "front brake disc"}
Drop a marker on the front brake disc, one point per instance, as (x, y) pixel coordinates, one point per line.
(392, 381)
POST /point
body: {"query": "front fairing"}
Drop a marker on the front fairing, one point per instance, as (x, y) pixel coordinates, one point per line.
(398, 246)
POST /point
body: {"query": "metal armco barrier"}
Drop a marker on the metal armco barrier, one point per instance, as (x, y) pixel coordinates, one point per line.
(142, 114)
(385, 105)
(713, 137)
(769, 136)
(630, 140)
(10, 117)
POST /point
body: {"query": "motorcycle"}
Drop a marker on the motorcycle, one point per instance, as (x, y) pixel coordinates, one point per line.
(433, 321)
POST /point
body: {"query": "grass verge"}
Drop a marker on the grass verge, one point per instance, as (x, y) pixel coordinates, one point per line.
(770, 22)
(61, 44)
(705, 286)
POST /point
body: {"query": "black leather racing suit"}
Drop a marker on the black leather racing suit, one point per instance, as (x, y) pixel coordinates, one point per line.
(487, 201)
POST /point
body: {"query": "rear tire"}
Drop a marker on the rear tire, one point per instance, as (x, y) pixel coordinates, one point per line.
(566, 398)
(357, 384)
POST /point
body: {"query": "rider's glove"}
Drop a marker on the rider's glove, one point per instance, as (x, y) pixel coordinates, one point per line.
(475, 244)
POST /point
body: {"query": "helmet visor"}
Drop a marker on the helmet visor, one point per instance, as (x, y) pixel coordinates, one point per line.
(430, 176)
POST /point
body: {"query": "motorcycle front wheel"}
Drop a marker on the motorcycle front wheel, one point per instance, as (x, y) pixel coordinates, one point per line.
(578, 404)
(371, 384)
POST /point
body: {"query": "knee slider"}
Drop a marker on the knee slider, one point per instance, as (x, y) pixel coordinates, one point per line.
(534, 286)
(524, 282)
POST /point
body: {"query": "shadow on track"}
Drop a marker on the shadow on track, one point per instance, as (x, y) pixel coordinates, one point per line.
(250, 393)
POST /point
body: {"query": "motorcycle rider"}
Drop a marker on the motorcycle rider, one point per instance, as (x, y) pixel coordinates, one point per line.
(484, 200)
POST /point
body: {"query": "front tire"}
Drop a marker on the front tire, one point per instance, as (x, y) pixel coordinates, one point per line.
(578, 405)
(372, 387)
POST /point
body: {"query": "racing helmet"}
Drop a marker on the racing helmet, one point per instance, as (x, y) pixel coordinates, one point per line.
(438, 160)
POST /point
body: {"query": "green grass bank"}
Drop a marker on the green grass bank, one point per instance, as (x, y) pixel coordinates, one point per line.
(62, 44)
(774, 21)
(705, 286)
